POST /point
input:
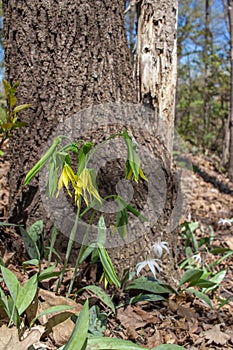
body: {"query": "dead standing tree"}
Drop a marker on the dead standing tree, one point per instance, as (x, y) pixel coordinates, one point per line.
(156, 64)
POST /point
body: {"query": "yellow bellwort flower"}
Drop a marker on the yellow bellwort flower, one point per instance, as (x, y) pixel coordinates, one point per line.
(67, 176)
(141, 174)
(85, 184)
(82, 184)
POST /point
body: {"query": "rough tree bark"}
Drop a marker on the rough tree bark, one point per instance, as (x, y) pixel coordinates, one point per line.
(70, 55)
(157, 62)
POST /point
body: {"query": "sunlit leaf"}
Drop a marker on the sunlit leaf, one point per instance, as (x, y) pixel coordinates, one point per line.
(21, 108)
(104, 343)
(101, 237)
(190, 275)
(79, 335)
(11, 282)
(107, 265)
(142, 283)
(26, 294)
(102, 295)
(52, 310)
(217, 279)
(202, 283)
(146, 297)
(200, 295)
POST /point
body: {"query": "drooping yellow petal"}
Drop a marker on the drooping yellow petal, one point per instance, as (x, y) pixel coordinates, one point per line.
(77, 194)
(129, 174)
(87, 186)
(143, 176)
(72, 177)
(65, 178)
(67, 175)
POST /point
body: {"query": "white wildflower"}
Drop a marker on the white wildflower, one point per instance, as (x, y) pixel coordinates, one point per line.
(152, 263)
(197, 258)
(159, 246)
(225, 222)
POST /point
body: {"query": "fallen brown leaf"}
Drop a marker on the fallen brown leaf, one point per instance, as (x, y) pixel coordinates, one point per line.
(186, 312)
(10, 338)
(59, 324)
(135, 317)
(215, 335)
(155, 340)
(229, 241)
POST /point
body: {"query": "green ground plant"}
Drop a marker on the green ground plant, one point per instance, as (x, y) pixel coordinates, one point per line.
(80, 183)
(199, 278)
(198, 271)
(9, 120)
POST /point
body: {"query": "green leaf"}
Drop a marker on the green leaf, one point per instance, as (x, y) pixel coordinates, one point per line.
(21, 108)
(12, 100)
(5, 224)
(49, 275)
(97, 321)
(11, 282)
(219, 250)
(146, 297)
(34, 262)
(7, 87)
(52, 310)
(13, 313)
(14, 87)
(26, 294)
(3, 299)
(31, 246)
(52, 179)
(101, 237)
(202, 283)
(229, 253)
(41, 163)
(169, 347)
(36, 230)
(192, 226)
(101, 295)
(84, 150)
(190, 275)
(217, 279)
(104, 343)
(52, 243)
(49, 272)
(79, 335)
(136, 213)
(19, 125)
(107, 265)
(142, 283)
(88, 250)
(200, 295)
(133, 161)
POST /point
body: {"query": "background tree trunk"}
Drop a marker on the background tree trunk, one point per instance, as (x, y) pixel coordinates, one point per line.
(206, 54)
(157, 62)
(230, 12)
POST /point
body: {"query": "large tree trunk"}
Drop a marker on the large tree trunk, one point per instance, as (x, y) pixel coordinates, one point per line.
(70, 55)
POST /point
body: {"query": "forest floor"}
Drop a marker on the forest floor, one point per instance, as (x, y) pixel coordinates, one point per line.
(183, 319)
